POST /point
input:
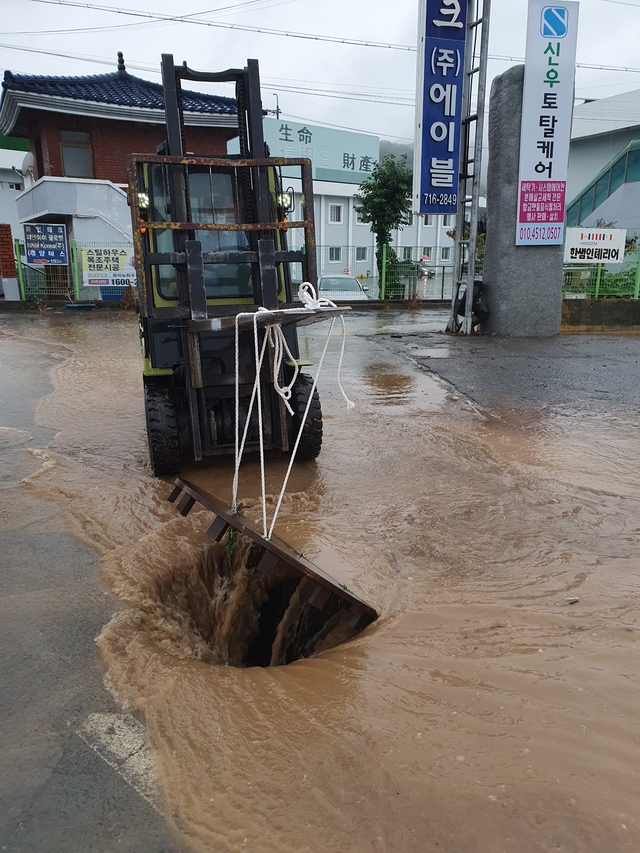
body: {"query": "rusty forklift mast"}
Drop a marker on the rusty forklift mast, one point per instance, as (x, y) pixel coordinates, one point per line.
(210, 242)
(210, 239)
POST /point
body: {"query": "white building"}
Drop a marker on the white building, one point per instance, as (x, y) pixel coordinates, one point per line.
(11, 185)
(604, 162)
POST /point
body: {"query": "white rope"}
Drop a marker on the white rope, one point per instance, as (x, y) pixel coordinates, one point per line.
(308, 297)
(275, 336)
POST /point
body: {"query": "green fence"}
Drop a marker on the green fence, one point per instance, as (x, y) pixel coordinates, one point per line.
(89, 276)
(409, 273)
(47, 281)
(599, 281)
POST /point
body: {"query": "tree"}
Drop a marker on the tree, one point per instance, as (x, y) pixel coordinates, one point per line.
(384, 201)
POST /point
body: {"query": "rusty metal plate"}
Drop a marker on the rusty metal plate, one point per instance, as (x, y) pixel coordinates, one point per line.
(274, 549)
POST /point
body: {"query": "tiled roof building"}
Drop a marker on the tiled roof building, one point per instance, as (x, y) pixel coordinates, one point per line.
(85, 127)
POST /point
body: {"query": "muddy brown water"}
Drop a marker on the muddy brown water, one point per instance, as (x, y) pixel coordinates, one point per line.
(493, 707)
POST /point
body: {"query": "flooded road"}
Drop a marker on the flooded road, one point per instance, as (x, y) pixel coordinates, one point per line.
(493, 707)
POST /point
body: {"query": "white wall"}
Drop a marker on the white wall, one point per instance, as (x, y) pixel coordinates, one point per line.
(98, 209)
(590, 155)
(8, 209)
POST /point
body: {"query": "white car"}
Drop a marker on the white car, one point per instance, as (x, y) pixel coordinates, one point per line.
(342, 288)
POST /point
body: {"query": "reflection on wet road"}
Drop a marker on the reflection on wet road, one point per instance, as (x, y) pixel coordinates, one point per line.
(493, 706)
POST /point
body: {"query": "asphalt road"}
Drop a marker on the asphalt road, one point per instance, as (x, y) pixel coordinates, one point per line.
(572, 372)
(56, 792)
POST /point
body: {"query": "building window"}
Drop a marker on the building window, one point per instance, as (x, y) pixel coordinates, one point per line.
(361, 253)
(427, 251)
(427, 219)
(16, 187)
(447, 220)
(407, 219)
(359, 219)
(445, 253)
(77, 159)
(335, 213)
(406, 253)
(335, 253)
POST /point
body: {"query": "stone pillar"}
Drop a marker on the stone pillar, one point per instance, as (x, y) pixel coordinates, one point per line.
(522, 284)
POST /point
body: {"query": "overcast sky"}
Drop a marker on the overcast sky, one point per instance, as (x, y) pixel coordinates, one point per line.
(356, 87)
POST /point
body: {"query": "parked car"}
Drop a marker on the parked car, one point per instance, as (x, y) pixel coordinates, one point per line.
(342, 288)
(424, 269)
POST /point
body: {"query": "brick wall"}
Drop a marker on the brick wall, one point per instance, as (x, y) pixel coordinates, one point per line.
(7, 260)
(113, 141)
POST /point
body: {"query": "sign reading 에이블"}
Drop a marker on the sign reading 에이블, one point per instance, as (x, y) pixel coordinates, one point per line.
(441, 46)
(547, 108)
(45, 243)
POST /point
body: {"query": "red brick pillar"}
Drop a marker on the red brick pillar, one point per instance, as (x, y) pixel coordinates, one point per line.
(7, 258)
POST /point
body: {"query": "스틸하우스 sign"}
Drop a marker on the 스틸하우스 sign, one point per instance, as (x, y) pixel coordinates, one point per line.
(441, 47)
(108, 266)
(45, 243)
(547, 109)
(595, 245)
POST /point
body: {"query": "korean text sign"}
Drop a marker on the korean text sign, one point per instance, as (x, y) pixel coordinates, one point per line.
(595, 245)
(547, 109)
(45, 244)
(441, 44)
(108, 267)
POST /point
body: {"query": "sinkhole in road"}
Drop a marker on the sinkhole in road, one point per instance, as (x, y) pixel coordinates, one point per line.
(247, 618)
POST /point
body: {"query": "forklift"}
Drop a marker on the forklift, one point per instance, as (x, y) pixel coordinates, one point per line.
(210, 240)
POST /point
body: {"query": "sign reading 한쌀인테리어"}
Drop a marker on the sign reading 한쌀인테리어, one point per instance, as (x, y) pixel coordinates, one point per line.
(595, 245)
(441, 47)
(547, 109)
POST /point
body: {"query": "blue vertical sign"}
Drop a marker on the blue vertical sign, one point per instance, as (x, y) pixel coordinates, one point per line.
(443, 31)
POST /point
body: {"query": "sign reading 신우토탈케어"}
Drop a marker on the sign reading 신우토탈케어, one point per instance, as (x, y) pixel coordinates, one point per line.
(441, 44)
(552, 32)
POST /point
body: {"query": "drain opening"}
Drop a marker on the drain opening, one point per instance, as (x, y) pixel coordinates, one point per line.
(247, 614)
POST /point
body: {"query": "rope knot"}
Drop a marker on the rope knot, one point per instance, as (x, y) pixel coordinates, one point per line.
(310, 299)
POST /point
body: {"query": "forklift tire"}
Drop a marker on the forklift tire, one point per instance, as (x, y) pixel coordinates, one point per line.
(311, 438)
(162, 429)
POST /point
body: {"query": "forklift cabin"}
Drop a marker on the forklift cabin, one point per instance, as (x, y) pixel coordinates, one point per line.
(210, 239)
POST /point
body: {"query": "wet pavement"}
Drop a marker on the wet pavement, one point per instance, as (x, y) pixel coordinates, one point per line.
(56, 794)
(483, 495)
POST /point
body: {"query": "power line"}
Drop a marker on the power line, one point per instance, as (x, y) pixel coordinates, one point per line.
(307, 36)
(335, 94)
(220, 24)
(186, 18)
(344, 127)
(94, 59)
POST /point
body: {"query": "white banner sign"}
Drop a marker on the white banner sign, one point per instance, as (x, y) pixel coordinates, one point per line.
(108, 267)
(547, 109)
(595, 245)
